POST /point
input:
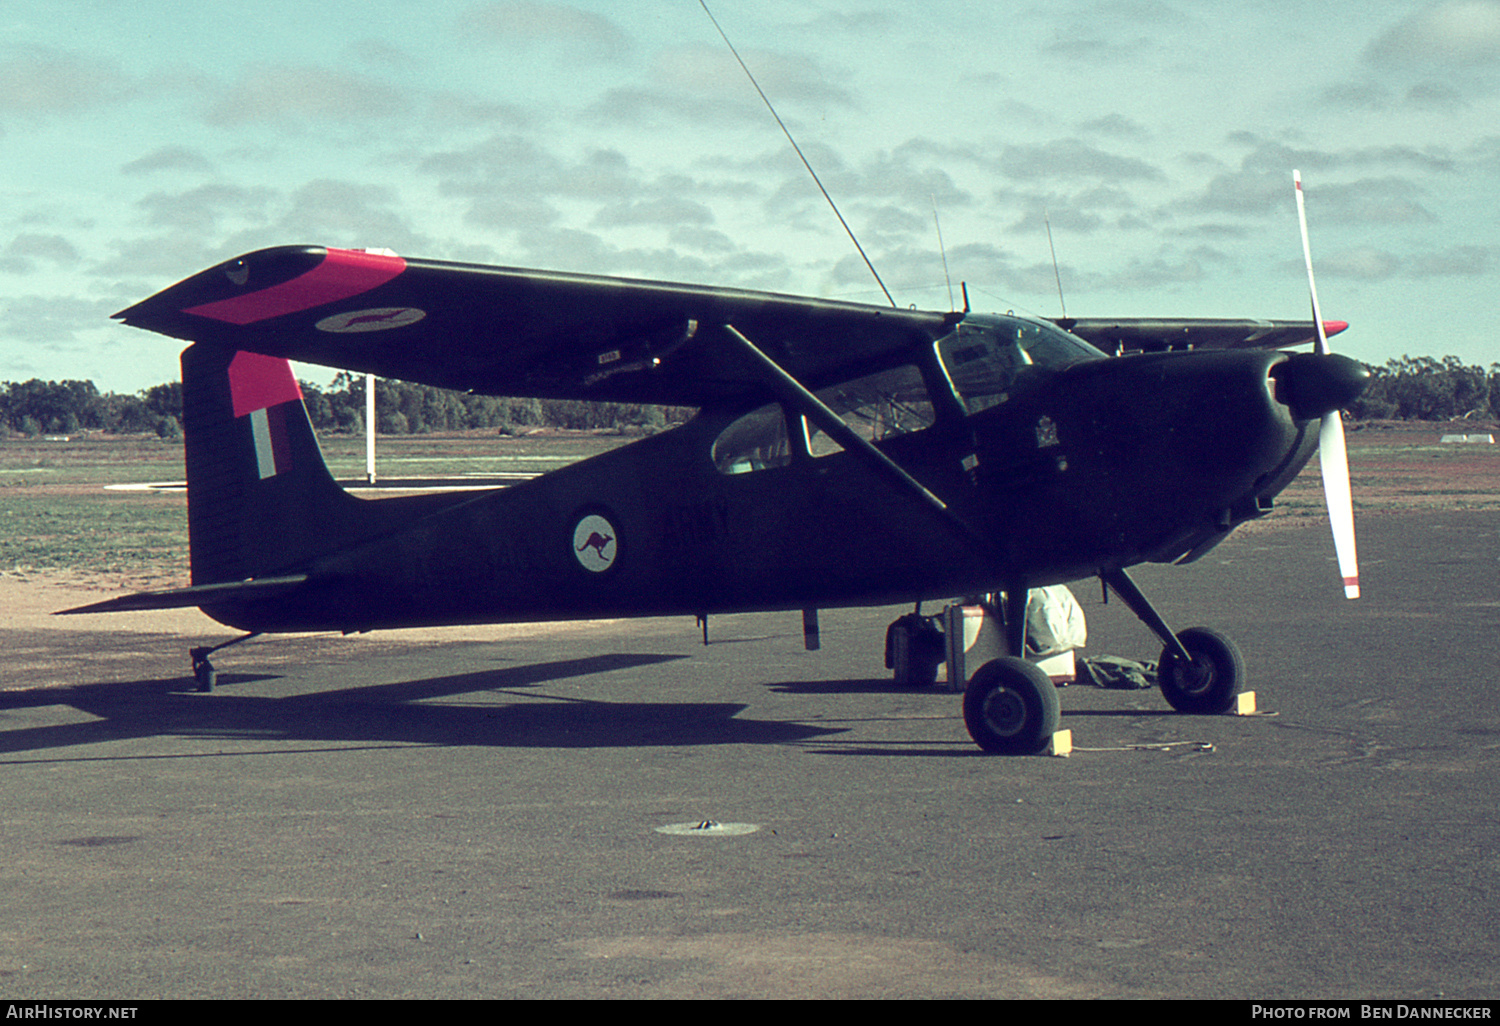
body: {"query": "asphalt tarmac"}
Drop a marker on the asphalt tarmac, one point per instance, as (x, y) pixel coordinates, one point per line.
(476, 813)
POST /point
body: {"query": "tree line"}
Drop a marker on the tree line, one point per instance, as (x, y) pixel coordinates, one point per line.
(1422, 388)
(37, 407)
(1406, 388)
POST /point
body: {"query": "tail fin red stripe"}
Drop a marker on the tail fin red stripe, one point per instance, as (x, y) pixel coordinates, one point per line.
(257, 382)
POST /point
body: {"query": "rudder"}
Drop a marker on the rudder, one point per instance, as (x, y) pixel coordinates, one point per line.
(260, 498)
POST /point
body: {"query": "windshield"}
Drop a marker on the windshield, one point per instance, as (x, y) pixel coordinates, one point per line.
(991, 358)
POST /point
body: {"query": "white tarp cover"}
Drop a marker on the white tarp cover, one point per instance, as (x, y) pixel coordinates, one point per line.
(1054, 621)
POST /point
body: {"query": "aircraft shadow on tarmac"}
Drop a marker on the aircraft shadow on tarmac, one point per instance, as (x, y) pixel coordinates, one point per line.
(406, 712)
(836, 687)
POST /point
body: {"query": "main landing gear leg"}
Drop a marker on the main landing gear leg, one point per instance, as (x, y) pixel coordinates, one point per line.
(203, 670)
(1201, 671)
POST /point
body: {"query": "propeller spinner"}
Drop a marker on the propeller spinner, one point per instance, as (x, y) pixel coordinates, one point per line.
(1333, 457)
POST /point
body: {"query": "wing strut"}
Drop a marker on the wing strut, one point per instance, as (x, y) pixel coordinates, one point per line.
(794, 394)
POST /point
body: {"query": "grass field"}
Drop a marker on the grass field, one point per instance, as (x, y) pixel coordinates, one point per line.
(58, 516)
(57, 519)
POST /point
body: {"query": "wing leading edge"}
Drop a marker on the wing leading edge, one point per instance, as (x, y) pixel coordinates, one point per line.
(1152, 335)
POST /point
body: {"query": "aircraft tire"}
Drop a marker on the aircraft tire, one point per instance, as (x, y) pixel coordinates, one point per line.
(1209, 685)
(1011, 707)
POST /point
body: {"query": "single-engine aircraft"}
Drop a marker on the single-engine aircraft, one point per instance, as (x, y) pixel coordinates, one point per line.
(842, 455)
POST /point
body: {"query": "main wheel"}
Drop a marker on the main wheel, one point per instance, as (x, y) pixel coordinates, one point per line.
(1011, 707)
(1207, 685)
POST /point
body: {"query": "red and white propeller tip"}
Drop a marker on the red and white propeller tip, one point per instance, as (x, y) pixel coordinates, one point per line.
(1333, 457)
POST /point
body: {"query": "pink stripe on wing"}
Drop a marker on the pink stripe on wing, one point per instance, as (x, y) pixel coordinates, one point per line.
(341, 274)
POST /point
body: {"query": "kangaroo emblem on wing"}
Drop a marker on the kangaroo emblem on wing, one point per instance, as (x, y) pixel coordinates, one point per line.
(597, 542)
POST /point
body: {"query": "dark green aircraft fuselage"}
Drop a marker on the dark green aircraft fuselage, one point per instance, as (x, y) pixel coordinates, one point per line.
(1105, 464)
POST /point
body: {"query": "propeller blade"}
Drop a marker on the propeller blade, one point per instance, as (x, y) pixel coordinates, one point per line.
(1312, 286)
(1333, 459)
(1333, 456)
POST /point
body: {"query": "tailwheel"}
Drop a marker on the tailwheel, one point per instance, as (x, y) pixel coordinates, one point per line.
(1011, 707)
(203, 670)
(1209, 683)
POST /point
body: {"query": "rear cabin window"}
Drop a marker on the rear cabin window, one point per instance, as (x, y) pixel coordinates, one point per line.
(877, 406)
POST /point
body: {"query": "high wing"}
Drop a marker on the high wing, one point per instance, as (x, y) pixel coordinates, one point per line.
(514, 332)
(1151, 335)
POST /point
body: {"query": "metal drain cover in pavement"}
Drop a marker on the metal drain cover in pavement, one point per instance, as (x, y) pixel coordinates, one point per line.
(708, 828)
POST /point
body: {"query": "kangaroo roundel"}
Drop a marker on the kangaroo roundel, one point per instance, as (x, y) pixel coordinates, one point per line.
(596, 543)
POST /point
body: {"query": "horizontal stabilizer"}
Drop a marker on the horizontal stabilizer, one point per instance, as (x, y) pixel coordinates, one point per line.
(201, 595)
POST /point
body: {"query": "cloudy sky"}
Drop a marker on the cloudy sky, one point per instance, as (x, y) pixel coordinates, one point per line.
(143, 142)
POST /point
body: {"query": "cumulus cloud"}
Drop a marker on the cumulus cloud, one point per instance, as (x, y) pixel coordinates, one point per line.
(705, 240)
(1116, 31)
(701, 84)
(1261, 186)
(202, 211)
(1371, 263)
(1363, 263)
(169, 158)
(295, 95)
(21, 254)
(1375, 201)
(646, 106)
(517, 22)
(1116, 125)
(56, 82)
(1277, 157)
(337, 212)
(1245, 193)
(786, 77)
(1455, 33)
(662, 210)
(1166, 269)
(1073, 158)
(51, 322)
(510, 178)
(1459, 261)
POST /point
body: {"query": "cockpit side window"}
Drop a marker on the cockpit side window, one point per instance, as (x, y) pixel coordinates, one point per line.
(756, 441)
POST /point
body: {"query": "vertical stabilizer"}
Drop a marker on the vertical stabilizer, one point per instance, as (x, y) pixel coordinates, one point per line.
(260, 498)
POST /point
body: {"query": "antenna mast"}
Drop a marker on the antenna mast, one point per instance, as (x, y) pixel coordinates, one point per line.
(944, 251)
(1055, 272)
(787, 132)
